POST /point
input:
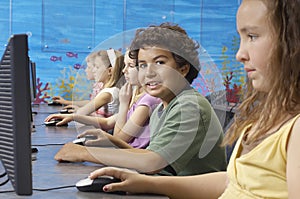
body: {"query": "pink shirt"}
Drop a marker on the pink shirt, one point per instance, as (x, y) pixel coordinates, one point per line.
(143, 138)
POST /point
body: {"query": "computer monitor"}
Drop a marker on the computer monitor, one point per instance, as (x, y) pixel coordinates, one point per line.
(32, 74)
(15, 114)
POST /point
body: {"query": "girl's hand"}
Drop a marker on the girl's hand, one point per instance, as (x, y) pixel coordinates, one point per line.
(59, 99)
(125, 94)
(131, 181)
(65, 118)
(72, 108)
(100, 138)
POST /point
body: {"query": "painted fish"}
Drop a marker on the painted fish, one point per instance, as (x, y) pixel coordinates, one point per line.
(71, 54)
(79, 66)
(55, 58)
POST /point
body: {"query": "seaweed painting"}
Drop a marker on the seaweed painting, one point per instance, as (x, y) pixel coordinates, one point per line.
(41, 92)
(233, 74)
(72, 84)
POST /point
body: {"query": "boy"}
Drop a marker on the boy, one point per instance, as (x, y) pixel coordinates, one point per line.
(185, 132)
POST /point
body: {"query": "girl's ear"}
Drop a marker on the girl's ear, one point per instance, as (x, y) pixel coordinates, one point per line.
(110, 71)
(184, 70)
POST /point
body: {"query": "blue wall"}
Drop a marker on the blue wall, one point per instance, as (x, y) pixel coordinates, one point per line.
(61, 33)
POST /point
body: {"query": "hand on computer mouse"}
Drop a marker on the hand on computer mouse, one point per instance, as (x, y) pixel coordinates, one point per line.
(54, 103)
(100, 138)
(59, 99)
(67, 111)
(72, 107)
(51, 122)
(130, 180)
(54, 122)
(61, 119)
(97, 184)
(82, 140)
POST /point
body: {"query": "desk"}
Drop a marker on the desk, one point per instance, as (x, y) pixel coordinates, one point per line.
(48, 173)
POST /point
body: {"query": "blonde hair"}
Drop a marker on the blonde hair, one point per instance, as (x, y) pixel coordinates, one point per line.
(117, 79)
(91, 57)
(136, 95)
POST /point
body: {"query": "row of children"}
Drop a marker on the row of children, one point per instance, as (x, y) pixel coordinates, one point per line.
(126, 110)
(186, 135)
(183, 132)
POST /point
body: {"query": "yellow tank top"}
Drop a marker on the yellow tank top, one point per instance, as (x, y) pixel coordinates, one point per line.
(261, 173)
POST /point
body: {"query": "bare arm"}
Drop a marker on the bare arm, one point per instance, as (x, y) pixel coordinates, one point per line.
(293, 162)
(80, 103)
(128, 129)
(132, 127)
(69, 102)
(103, 139)
(125, 96)
(100, 100)
(141, 160)
(205, 186)
(98, 122)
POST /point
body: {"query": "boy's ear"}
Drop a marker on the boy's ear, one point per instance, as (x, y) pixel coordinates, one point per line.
(184, 70)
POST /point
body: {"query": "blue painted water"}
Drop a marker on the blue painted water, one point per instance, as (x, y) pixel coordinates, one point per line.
(60, 28)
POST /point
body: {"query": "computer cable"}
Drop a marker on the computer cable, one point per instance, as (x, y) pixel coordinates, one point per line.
(45, 189)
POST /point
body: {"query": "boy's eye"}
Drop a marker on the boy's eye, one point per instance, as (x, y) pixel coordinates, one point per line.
(159, 62)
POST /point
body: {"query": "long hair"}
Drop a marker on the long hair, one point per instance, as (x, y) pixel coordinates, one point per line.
(117, 78)
(268, 109)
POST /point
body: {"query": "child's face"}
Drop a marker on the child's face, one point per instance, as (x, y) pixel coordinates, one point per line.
(160, 74)
(89, 70)
(255, 42)
(130, 71)
(100, 70)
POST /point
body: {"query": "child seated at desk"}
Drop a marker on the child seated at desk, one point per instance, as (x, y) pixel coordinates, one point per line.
(131, 123)
(185, 131)
(107, 100)
(97, 86)
(265, 162)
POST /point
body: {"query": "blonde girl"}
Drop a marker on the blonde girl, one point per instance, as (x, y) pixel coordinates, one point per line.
(97, 86)
(131, 124)
(108, 70)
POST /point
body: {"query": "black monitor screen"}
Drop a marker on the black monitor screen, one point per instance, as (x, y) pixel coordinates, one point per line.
(15, 114)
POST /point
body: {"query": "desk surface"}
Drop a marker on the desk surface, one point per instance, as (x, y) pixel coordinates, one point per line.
(48, 173)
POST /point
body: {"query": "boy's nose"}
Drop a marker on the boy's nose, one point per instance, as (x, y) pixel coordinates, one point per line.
(151, 68)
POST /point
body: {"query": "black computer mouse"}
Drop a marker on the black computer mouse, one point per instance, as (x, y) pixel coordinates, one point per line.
(96, 185)
(54, 103)
(53, 122)
(66, 110)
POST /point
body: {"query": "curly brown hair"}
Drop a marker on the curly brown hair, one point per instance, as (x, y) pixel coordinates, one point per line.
(268, 109)
(172, 38)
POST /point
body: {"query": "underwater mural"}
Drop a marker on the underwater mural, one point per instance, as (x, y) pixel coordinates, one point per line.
(61, 36)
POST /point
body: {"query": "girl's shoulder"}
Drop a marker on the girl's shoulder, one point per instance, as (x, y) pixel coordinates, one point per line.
(110, 89)
(294, 121)
(297, 122)
(148, 98)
